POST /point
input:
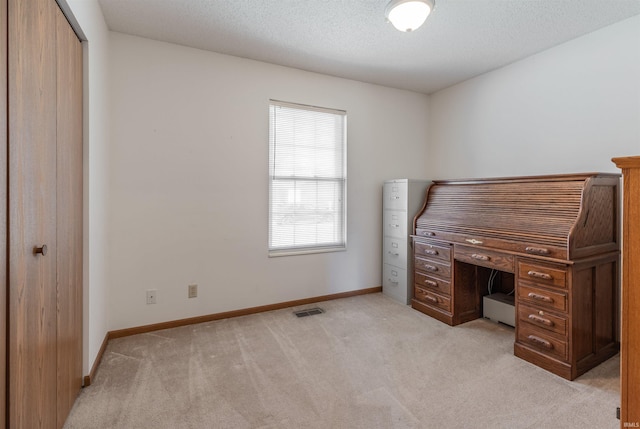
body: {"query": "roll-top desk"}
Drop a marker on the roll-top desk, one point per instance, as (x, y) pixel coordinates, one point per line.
(553, 240)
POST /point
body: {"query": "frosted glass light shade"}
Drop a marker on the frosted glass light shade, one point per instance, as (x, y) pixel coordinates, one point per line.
(408, 15)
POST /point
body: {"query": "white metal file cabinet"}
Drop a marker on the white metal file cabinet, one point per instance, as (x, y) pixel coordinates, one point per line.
(402, 198)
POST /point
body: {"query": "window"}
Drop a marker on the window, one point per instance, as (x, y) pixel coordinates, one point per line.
(307, 179)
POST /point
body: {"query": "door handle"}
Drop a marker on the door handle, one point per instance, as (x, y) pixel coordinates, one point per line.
(41, 250)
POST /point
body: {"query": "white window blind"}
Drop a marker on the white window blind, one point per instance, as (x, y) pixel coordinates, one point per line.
(307, 179)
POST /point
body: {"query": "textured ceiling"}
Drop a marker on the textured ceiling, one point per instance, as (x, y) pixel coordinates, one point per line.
(351, 38)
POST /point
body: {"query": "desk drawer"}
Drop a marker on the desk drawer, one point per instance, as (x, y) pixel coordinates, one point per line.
(485, 258)
(432, 267)
(432, 251)
(555, 276)
(542, 319)
(541, 340)
(433, 283)
(427, 233)
(542, 298)
(432, 299)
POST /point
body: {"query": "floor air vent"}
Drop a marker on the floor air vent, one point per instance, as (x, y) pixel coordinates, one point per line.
(308, 312)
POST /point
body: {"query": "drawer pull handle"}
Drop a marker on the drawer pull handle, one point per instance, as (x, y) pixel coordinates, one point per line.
(481, 257)
(473, 241)
(393, 254)
(394, 225)
(539, 297)
(540, 275)
(394, 197)
(430, 252)
(392, 282)
(428, 234)
(430, 268)
(537, 250)
(541, 320)
(430, 298)
(539, 341)
(431, 283)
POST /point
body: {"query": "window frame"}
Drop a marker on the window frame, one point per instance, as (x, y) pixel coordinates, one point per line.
(311, 248)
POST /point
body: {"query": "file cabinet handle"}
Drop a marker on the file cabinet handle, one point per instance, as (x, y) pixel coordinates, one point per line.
(393, 254)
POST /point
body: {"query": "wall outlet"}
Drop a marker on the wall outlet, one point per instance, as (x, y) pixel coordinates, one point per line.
(193, 291)
(151, 296)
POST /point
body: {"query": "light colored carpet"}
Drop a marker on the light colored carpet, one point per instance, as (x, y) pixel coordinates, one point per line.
(368, 362)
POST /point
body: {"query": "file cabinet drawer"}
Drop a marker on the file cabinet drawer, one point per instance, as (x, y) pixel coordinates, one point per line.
(394, 281)
(395, 224)
(395, 251)
(395, 195)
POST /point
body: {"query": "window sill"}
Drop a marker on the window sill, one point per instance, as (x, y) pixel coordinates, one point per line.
(308, 251)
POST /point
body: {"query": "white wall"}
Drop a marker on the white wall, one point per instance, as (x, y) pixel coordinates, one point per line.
(189, 189)
(568, 109)
(96, 125)
(176, 165)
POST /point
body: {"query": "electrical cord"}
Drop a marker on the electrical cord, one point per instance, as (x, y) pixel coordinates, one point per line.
(492, 277)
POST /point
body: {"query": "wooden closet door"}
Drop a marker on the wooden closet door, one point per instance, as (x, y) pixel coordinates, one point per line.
(69, 216)
(3, 213)
(32, 213)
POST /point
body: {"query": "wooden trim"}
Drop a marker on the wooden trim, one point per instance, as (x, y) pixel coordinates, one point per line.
(236, 313)
(518, 179)
(630, 333)
(216, 316)
(627, 162)
(94, 368)
(4, 225)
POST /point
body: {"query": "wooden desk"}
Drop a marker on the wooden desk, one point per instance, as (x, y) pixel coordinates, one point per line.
(630, 337)
(554, 241)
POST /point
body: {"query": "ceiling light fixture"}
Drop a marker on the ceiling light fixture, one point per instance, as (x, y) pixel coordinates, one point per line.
(408, 15)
